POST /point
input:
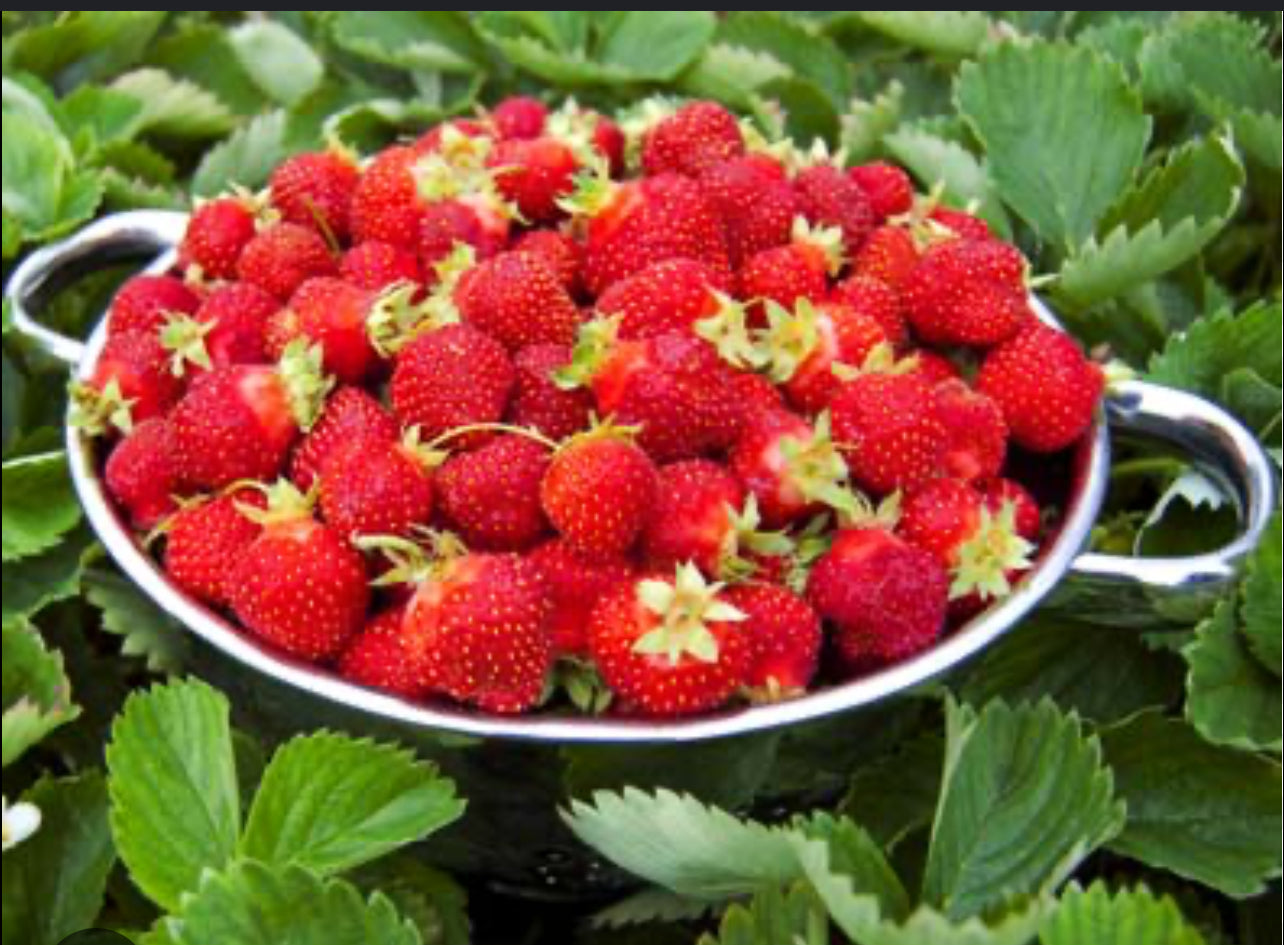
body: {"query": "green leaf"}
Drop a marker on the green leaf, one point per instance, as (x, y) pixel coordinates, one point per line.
(39, 504)
(809, 114)
(373, 123)
(1261, 607)
(55, 879)
(255, 904)
(329, 802)
(33, 583)
(431, 899)
(12, 243)
(37, 694)
(797, 46)
(854, 854)
(245, 157)
(202, 54)
(772, 917)
(1212, 59)
(1095, 916)
(896, 795)
(730, 74)
(655, 45)
(107, 114)
(175, 805)
(146, 631)
(37, 162)
(867, 122)
(1207, 813)
(277, 60)
(83, 45)
(934, 160)
(411, 39)
(1231, 698)
(174, 107)
(649, 905)
(1063, 132)
(950, 33)
(1159, 224)
(677, 842)
(1024, 798)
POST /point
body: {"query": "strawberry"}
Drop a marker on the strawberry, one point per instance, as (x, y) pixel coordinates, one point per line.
(314, 189)
(584, 129)
(828, 197)
(797, 270)
(889, 255)
(376, 487)
(334, 315)
(1048, 391)
(932, 366)
(976, 436)
(239, 421)
(230, 327)
(491, 496)
(456, 133)
(1027, 517)
(597, 492)
(519, 300)
(349, 414)
(377, 657)
(205, 539)
(791, 468)
(538, 402)
(693, 517)
(671, 295)
(280, 258)
(475, 219)
(691, 140)
(562, 254)
(887, 188)
(963, 224)
(755, 395)
(890, 429)
(534, 174)
(142, 473)
(133, 381)
(145, 303)
(608, 141)
(755, 201)
(519, 116)
(784, 640)
(574, 584)
(217, 232)
(298, 585)
(878, 301)
(670, 646)
(967, 292)
(450, 377)
(385, 204)
(885, 598)
(376, 265)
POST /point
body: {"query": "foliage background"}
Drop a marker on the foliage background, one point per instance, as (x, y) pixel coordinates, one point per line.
(1135, 157)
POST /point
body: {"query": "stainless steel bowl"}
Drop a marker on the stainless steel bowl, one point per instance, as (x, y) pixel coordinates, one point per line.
(1151, 589)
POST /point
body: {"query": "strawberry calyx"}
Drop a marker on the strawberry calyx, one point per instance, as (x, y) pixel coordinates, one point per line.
(827, 241)
(881, 359)
(432, 449)
(306, 384)
(789, 339)
(747, 535)
(184, 337)
(396, 318)
(581, 682)
(685, 607)
(637, 122)
(810, 545)
(286, 503)
(97, 411)
(728, 331)
(414, 562)
(816, 468)
(593, 345)
(990, 554)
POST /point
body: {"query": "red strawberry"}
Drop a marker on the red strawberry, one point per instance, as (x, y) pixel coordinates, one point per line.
(377, 657)
(449, 135)
(890, 429)
(132, 382)
(349, 414)
(230, 327)
(1028, 519)
(671, 646)
(784, 639)
(693, 517)
(519, 116)
(964, 224)
(142, 474)
(534, 174)
(888, 255)
(691, 140)
(299, 585)
(755, 395)
(145, 303)
(967, 292)
(574, 584)
(668, 296)
(791, 469)
(888, 188)
(280, 258)
(375, 265)
(828, 197)
(584, 128)
(376, 487)
(608, 140)
(538, 402)
(797, 270)
(385, 205)
(805, 346)
(755, 201)
(206, 540)
(519, 300)
(878, 301)
(1048, 391)
(334, 314)
(597, 492)
(885, 598)
(314, 189)
(475, 219)
(239, 421)
(976, 436)
(561, 252)
(217, 232)
(491, 495)
(932, 366)
(450, 377)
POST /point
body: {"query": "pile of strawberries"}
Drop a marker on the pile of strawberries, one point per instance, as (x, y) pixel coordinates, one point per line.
(540, 409)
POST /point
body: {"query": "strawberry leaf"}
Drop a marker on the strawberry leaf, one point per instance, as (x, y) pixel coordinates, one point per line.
(145, 630)
(39, 504)
(935, 160)
(411, 39)
(172, 107)
(797, 46)
(1261, 601)
(39, 580)
(948, 33)
(37, 694)
(772, 916)
(245, 157)
(1095, 916)
(277, 60)
(896, 795)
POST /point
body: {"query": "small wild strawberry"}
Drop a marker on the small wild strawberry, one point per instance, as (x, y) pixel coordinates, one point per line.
(205, 540)
(217, 232)
(574, 584)
(491, 495)
(519, 300)
(888, 188)
(314, 189)
(890, 430)
(784, 640)
(142, 473)
(691, 140)
(280, 258)
(146, 303)
(538, 402)
(376, 487)
(348, 414)
(377, 657)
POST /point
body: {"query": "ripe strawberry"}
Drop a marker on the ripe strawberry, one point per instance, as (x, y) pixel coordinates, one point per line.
(691, 140)
(797, 270)
(964, 224)
(280, 258)
(585, 129)
(518, 299)
(828, 197)
(145, 303)
(888, 189)
(755, 395)
(376, 487)
(239, 421)
(453, 134)
(142, 474)
(450, 377)
(693, 517)
(538, 402)
(334, 314)
(885, 598)
(299, 585)
(1048, 391)
(205, 540)
(385, 205)
(890, 429)
(752, 195)
(1027, 517)
(597, 491)
(377, 657)
(976, 436)
(491, 496)
(534, 174)
(574, 584)
(671, 646)
(230, 327)
(217, 232)
(608, 140)
(561, 252)
(349, 414)
(133, 381)
(668, 296)
(888, 255)
(967, 292)
(878, 301)
(475, 219)
(519, 116)
(932, 366)
(784, 640)
(375, 265)
(791, 468)
(314, 189)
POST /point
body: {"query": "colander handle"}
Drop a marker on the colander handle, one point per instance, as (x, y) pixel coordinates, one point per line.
(1220, 447)
(134, 233)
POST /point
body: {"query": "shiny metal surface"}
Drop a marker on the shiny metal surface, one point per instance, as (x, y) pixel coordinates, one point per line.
(1212, 438)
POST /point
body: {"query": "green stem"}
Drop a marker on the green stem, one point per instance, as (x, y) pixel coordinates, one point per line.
(527, 432)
